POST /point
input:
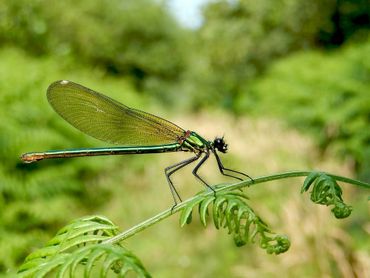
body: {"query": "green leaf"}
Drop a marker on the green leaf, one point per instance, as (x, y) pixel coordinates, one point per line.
(77, 245)
(106, 257)
(309, 180)
(203, 209)
(230, 210)
(326, 191)
(186, 213)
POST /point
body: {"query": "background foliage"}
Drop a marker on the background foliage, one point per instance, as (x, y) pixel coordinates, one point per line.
(327, 95)
(273, 75)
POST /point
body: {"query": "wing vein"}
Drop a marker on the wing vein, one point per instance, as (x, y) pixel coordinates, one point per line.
(108, 120)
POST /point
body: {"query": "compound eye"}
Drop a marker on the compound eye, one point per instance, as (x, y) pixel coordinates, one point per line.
(219, 144)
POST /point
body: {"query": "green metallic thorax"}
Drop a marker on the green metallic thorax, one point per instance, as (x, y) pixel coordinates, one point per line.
(195, 142)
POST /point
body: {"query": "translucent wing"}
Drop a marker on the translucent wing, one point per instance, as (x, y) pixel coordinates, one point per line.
(108, 120)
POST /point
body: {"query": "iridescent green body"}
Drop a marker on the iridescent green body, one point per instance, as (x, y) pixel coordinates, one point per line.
(193, 143)
(196, 141)
(69, 153)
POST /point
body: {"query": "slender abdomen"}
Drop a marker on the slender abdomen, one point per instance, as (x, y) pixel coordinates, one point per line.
(37, 156)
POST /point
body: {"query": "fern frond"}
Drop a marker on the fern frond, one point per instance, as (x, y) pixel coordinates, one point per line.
(78, 248)
(102, 259)
(230, 210)
(326, 191)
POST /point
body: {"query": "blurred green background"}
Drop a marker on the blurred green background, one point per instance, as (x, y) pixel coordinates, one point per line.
(286, 82)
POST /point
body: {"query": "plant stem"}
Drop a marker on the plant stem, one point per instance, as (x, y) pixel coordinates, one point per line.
(246, 183)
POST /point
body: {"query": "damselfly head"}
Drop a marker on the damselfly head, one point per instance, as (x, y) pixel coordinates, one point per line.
(220, 145)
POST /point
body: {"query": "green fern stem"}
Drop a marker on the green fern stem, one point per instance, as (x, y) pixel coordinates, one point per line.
(220, 188)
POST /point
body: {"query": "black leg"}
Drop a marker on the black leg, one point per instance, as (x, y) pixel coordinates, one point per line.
(222, 169)
(175, 168)
(195, 171)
